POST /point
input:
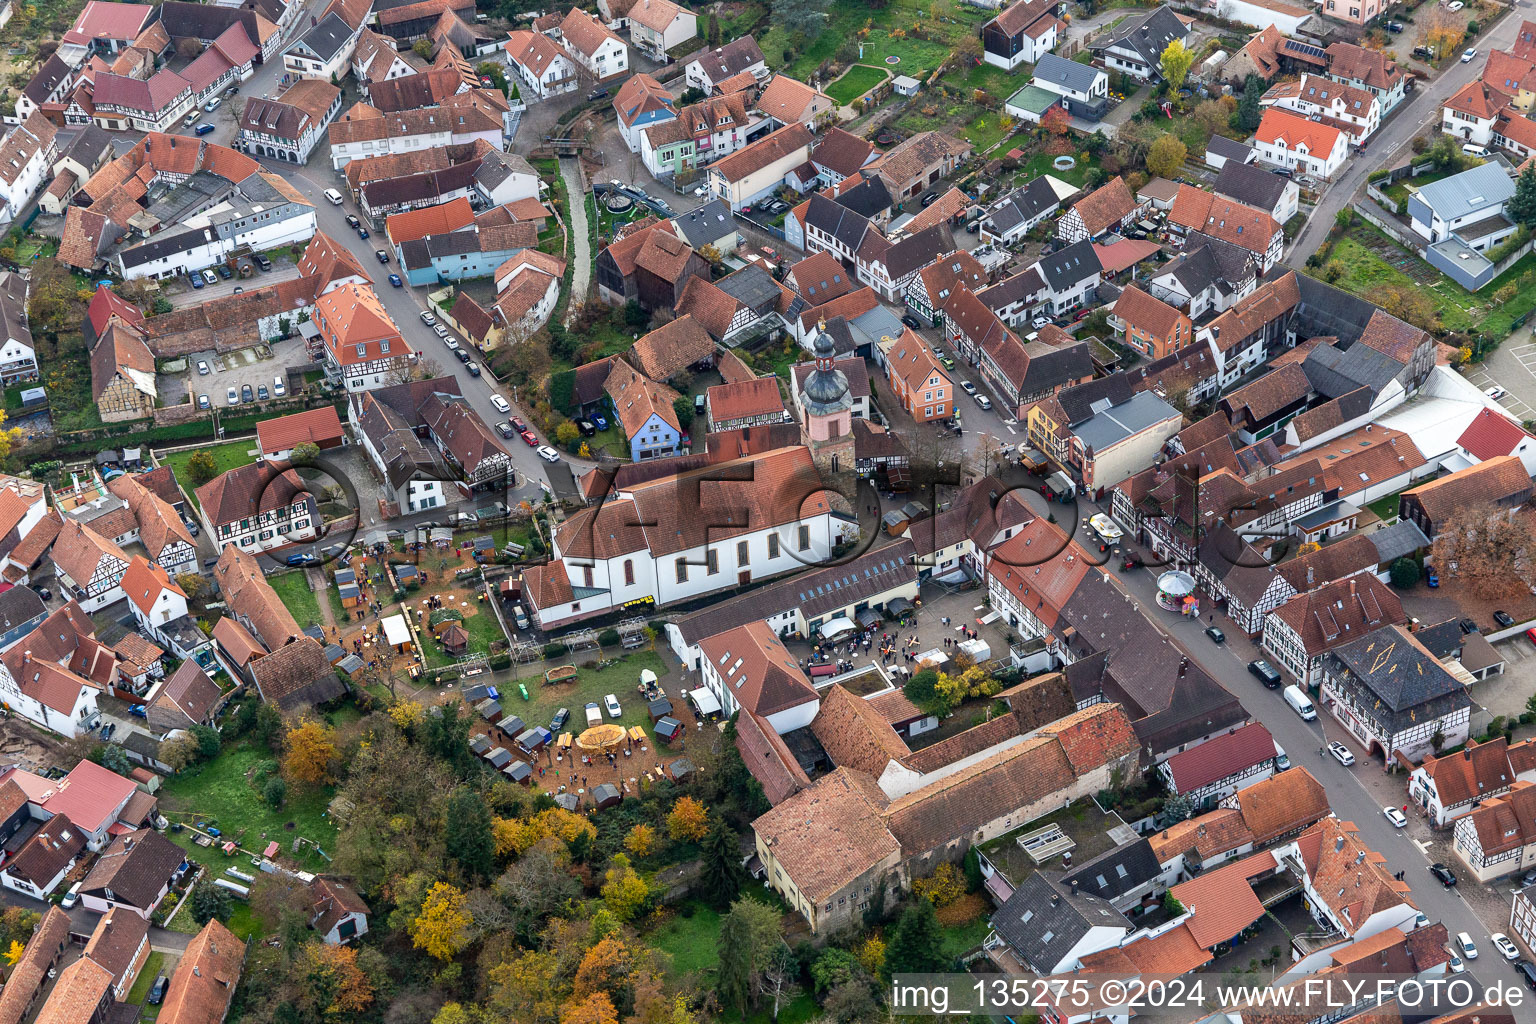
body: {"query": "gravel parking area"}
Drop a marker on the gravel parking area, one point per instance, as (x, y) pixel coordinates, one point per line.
(260, 366)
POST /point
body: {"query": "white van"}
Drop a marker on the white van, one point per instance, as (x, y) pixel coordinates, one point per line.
(1473, 149)
(333, 196)
(1300, 704)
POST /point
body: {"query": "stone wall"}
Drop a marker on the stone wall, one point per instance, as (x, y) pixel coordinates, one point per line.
(174, 415)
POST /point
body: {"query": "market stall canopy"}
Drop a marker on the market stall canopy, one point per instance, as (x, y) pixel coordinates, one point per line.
(704, 701)
(834, 628)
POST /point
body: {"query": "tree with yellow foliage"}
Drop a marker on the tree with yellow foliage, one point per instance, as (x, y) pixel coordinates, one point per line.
(505, 834)
(624, 892)
(1309, 547)
(442, 926)
(309, 753)
(872, 955)
(641, 840)
(1443, 32)
(973, 682)
(13, 955)
(595, 1009)
(526, 989)
(943, 887)
(689, 821)
(407, 714)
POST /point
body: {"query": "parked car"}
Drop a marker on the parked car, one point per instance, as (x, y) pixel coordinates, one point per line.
(984, 402)
(246, 395)
(439, 330)
(428, 318)
(202, 401)
(1216, 635)
(233, 397)
(949, 363)
(1505, 947)
(463, 355)
(473, 368)
(548, 454)
(1265, 673)
(530, 438)
(611, 704)
(202, 368)
(600, 420)
(394, 279)
(1468, 626)
(1471, 54)
(302, 559)
(1341, 754)
(278, 387)
(930, 199)
(1041, 321)
(192, 526)
(1457, 965)
(505, 430)
(1395, 816)
(520, 617)
(196, 279)
(518, 424)
(1394, 26)
(586, 427)
(1503, 618)
(1446, 876)
(912, 322)
(203, 129)
(968, 387)
(352, 220)
(223, 271)
(214, 104)
(597, 94)
(157, 990)
(209, 277)
(383, 256)
(501, 404)
(1465, 944)
(1495, 392)
(362, 232)
(261, 261)
(558, 722)
(261, 392)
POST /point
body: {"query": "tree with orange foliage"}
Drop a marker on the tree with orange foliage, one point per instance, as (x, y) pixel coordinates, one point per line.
(1056, 120)
(332, 982)
(597, 1008)
(604, 968)
(689, 821)
(641, 840)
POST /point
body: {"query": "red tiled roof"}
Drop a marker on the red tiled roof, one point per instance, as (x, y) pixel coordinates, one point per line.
(1491, 434)
(1222, 902)
(1218, 758)
(743, 399)
(320, 426)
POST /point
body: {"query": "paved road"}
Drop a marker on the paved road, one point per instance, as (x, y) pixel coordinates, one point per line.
(1348, 796)
(1421, 109)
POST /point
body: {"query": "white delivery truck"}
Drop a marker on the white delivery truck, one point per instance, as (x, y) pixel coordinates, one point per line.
(1060, 483)
(1299, 702)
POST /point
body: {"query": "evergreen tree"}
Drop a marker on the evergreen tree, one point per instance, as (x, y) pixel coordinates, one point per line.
(712, 29)
(1522, 205)
(916, 945)
(1249, 113)
(209, 902)
(748, 937)
(722, 876)
(467, 833)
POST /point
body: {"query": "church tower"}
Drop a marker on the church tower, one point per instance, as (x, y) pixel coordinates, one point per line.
(827, 429)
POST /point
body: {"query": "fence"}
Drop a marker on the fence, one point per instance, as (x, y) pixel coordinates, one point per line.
(1375, 215)
(1392, 177)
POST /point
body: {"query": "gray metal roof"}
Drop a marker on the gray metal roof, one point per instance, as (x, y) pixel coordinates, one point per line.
(1042, 921)
(1067, 267)
(702, 226)
(1116, 871)
(1068, 74)
(1119, 422)
(1468, 192)
(1398, 540)
(1231, 149)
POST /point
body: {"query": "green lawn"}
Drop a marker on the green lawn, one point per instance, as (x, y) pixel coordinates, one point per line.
(943, 21)
(859, 80)
(1365, 270)
(1041, 163)
(219, 791)
(966, 936)
(293, 588)
(693, 940)
(592, 684)
(1386, 509)
(147, 976)
(225, 457)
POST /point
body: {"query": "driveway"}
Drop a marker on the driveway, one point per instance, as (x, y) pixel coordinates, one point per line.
(259, 367)
(1421, 109)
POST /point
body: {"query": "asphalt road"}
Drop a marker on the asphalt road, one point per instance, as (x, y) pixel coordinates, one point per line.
(1419, 110)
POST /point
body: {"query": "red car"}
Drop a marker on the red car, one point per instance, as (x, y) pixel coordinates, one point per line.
(530, 438)
(517, 421)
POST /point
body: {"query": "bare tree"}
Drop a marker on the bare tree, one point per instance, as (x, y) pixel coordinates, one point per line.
(1489, 547)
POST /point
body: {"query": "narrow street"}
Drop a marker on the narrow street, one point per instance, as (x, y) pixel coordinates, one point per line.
(1419, 110)
(1358, 794)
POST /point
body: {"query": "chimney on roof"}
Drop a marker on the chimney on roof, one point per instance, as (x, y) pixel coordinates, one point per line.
(197, 971)
(1466, 754)
(1310, 572)
(1055, 898)
(1073, 884)
(26, 657)
(1183, 667)
(1338, 844)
